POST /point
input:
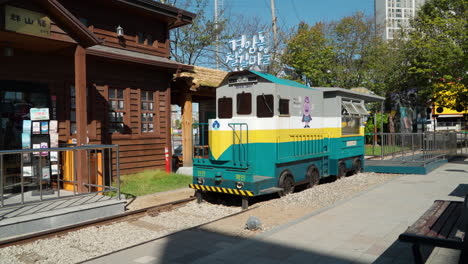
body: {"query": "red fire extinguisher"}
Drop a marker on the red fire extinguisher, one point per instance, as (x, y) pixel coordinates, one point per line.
(168, 162)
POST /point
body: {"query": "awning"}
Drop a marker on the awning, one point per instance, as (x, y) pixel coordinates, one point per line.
(135, 57)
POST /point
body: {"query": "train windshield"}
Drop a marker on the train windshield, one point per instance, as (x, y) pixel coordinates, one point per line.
(244, 103)
(265, 105)
(225, 107)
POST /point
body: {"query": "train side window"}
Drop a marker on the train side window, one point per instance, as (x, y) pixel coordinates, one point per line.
(225, 107)
(265, 105)
(284, 107)
(244, 103)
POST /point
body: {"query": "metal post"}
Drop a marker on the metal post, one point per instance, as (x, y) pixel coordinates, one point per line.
(117, 167)
(58, 173)
(88, 159)
(74, 172)
(22, 179)
(96, 157)
(1, 179)
(40, 176)
(381, 130)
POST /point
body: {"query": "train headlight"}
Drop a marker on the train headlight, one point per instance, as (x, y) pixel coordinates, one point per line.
(201, 180)
(239, 185)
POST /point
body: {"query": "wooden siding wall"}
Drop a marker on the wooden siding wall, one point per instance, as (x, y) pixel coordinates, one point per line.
(138, 151)
(104, 20)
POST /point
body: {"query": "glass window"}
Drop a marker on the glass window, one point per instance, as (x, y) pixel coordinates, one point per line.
(361, 109)
(141, 38)
(149, 40)
(348, 108)
(284, 107)
(265, 105)
(72, 110)
(116, 110)
(244, 103)
(350, 125)
(148, 113)
(225, 107)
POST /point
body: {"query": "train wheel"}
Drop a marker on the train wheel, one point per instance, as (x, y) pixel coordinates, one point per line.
(312, 176)
(341, 170)
(357, 165)
(287, 183)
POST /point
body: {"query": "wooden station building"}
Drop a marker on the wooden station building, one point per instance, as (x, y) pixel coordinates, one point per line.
(102, 67)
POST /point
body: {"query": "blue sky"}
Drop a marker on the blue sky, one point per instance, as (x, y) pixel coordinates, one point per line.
(291, 12)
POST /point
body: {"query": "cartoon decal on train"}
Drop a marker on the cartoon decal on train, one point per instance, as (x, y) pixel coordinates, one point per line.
(271, 135)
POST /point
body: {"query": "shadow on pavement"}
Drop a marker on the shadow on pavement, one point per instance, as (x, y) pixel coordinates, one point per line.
(400, 252)
(205, 246)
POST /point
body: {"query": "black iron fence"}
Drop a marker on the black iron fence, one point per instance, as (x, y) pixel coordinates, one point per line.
(416, 147)
(34, 175)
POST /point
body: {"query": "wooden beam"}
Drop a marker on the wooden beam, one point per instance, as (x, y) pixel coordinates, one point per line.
(81, 117)
(167, 99)
(187, 121)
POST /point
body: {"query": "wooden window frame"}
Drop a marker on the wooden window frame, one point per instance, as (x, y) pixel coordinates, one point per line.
(156, 113)
(125, 111)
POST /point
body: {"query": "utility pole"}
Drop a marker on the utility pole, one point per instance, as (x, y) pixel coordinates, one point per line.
(217, 35)
(275, 33)
(273, 19)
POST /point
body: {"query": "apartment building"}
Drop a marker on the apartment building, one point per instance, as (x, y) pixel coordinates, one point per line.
(393, 15)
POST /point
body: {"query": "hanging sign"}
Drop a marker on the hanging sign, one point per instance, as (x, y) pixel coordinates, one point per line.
(245, 53)
(39, 113)
(25, 21)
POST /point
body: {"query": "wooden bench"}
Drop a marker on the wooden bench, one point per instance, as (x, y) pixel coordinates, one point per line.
(442, 225)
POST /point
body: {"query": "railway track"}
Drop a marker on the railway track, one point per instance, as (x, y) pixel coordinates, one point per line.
(126, 216)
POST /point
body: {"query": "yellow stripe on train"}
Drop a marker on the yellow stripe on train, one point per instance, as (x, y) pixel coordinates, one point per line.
(220, 190)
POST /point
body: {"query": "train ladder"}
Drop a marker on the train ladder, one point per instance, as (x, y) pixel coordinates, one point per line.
(240, 144)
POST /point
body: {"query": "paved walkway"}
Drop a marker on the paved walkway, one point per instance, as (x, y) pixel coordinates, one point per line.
(363, 229)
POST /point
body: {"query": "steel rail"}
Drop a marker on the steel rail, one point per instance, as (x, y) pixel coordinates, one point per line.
(152, 210)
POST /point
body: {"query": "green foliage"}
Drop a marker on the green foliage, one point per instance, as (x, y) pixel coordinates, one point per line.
(193, 42)
(370, 128)
(310, 53)
(152, 181)
(345, 53)
(437, 46)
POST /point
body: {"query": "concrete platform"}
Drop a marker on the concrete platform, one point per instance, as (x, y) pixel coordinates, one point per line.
(362, 229)
(402, 167)
(51, 213)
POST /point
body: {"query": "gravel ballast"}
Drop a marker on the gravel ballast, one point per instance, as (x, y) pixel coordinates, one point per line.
(95, 241)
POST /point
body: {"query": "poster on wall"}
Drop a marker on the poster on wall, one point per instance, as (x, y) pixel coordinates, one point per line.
(27, 126)
(54, 169)
(26, 140)
(39, 114)
(36, 128)
(36, 146)
(53, 156)
(54, 139)
(45, 173)
(44, 145)
(26, 157)
(44, 127)
(28, 171)
(53, 126)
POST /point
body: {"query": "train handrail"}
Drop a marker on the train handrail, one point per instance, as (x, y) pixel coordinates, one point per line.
(245, 147)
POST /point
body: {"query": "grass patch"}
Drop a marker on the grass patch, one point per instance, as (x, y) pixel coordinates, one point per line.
(152, 181)
(370, 150)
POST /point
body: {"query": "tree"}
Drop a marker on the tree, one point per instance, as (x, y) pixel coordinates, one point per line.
(437, 52)
(194, 43)
(310, 54)
(345, 53)
(355, 40)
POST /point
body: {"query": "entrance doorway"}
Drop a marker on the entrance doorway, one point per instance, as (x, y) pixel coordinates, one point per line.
(16, 99)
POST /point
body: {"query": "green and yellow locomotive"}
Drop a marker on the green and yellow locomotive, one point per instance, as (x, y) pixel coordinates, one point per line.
(271, 135)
